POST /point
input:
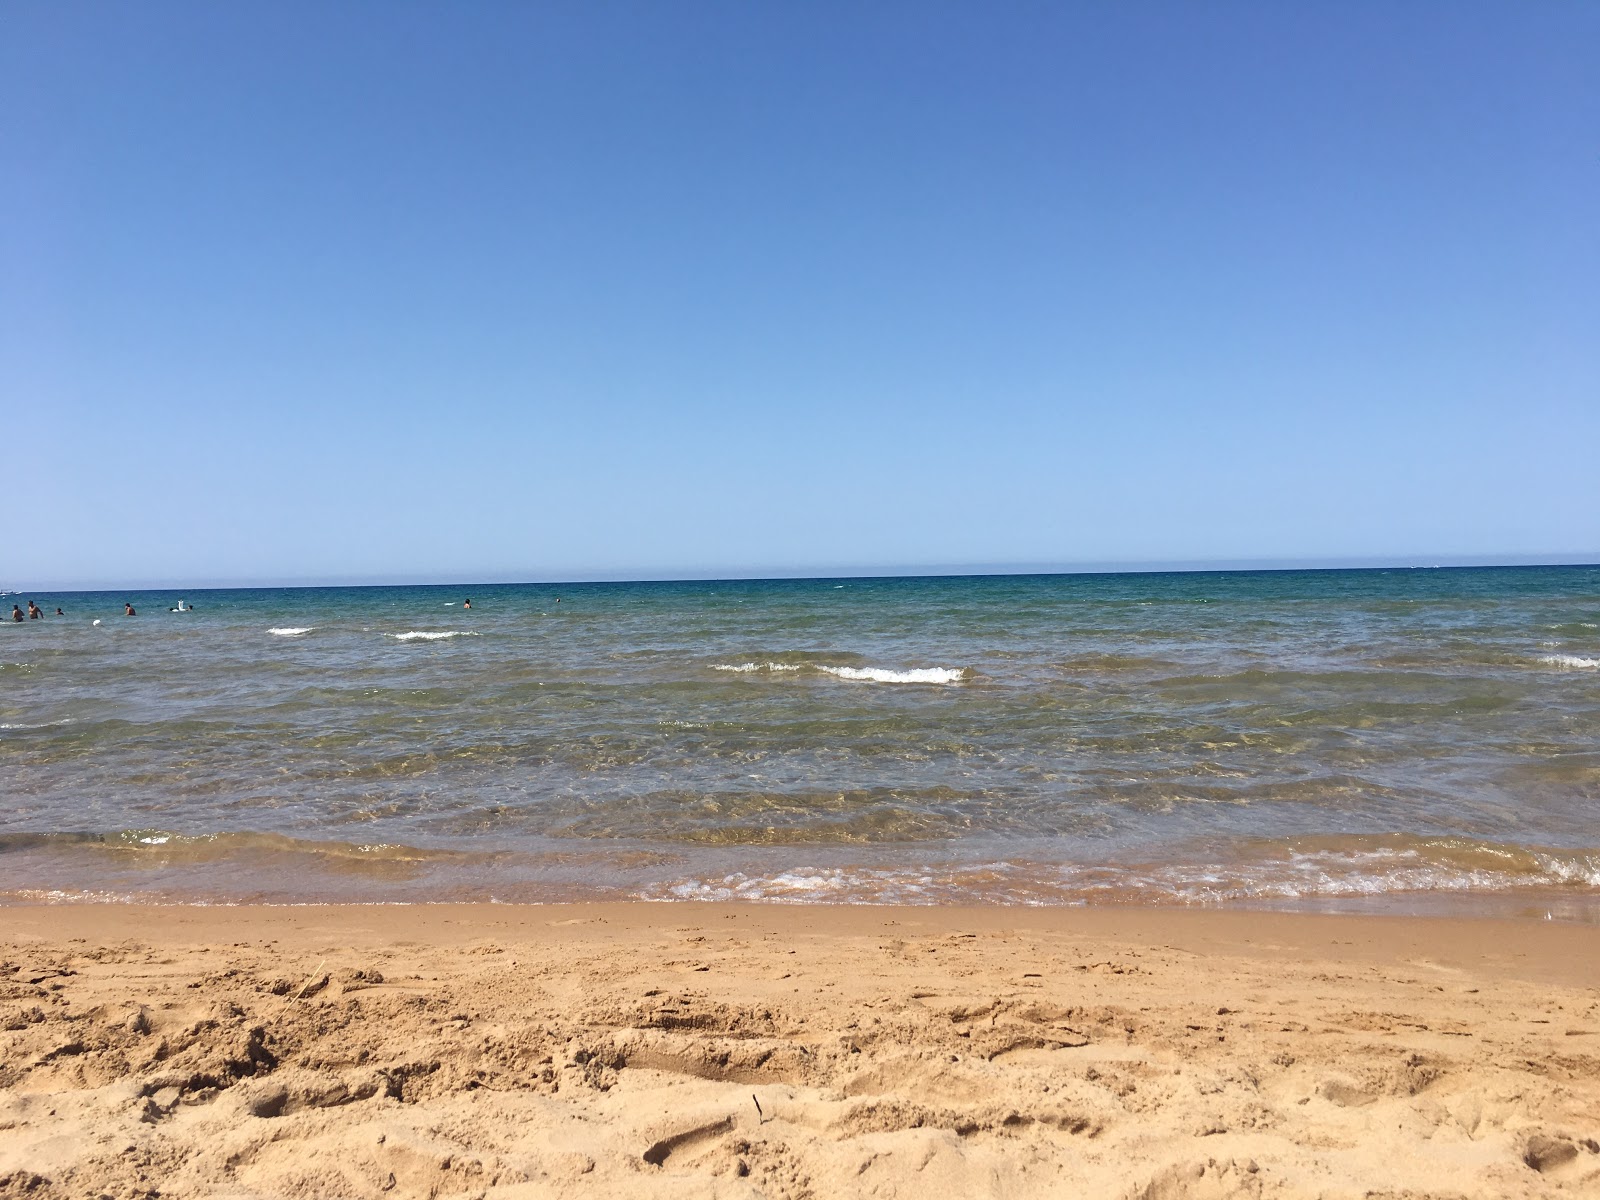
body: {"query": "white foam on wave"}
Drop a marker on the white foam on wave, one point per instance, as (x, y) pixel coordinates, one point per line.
(804, 887)
(916, 675)
(855, 674)
(1306, 875)
(1357, 873)
(1580, 868)
(290, 630)
(1570, 662)
(76, 896)
(1298, 875)
(39, 725)
(423, 636)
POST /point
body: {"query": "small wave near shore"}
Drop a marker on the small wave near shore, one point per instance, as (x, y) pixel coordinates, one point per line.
(1570, 662)
(938, 675)
(158, 865)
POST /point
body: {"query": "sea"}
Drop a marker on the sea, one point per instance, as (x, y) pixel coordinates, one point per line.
(1392, 740)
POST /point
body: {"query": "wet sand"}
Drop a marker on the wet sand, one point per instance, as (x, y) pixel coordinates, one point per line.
(694, 1050)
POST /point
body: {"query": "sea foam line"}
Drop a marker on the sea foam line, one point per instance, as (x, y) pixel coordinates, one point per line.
(420, 636)
(856, 674)
(290, 630)
(1299, 876)
(1570, 661)
(916, 675)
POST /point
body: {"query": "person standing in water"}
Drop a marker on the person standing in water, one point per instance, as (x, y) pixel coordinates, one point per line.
(128, 610)
(466, 603)
(34, 611)
(16, 613)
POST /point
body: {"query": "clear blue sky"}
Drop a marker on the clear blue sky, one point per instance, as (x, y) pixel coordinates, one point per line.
(298, 291)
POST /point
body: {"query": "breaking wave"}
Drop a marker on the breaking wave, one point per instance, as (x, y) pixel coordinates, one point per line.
(420, 636)
(1339, 869)
(916, 675)
(800, 887)
(855, 674)
(1570, 662)
(290, 630)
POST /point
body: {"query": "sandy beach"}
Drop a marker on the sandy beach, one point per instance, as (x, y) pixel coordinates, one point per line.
(787, 1051)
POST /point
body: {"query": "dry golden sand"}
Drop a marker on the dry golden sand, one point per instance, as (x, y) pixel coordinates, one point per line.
(623, 1050)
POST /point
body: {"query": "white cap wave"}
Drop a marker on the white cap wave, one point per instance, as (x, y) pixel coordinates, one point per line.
(1571, 662)
(857, 674)
(915, 675)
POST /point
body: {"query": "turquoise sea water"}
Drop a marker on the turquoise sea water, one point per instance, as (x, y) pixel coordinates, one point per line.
(1280, 737)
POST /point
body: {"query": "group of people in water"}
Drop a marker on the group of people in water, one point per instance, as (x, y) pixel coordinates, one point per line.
(34, 612)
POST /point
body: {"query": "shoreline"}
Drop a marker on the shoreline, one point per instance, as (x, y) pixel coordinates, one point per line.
(624, 1048)
(1233, 929)
(1527, 905)
(1392, 874)
(1564, 951)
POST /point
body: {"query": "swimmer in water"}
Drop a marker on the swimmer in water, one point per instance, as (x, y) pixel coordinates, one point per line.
(466, 604)
(59, 613)
(128, 610)
(16, 613)
(34, 611)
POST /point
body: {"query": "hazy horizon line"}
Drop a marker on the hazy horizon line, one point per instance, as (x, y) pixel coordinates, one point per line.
(834, 571)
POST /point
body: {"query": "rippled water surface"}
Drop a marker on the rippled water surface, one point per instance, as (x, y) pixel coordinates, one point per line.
(1045, 739)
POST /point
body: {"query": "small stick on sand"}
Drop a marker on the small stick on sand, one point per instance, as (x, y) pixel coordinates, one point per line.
(309, 980)
(761, 1117)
